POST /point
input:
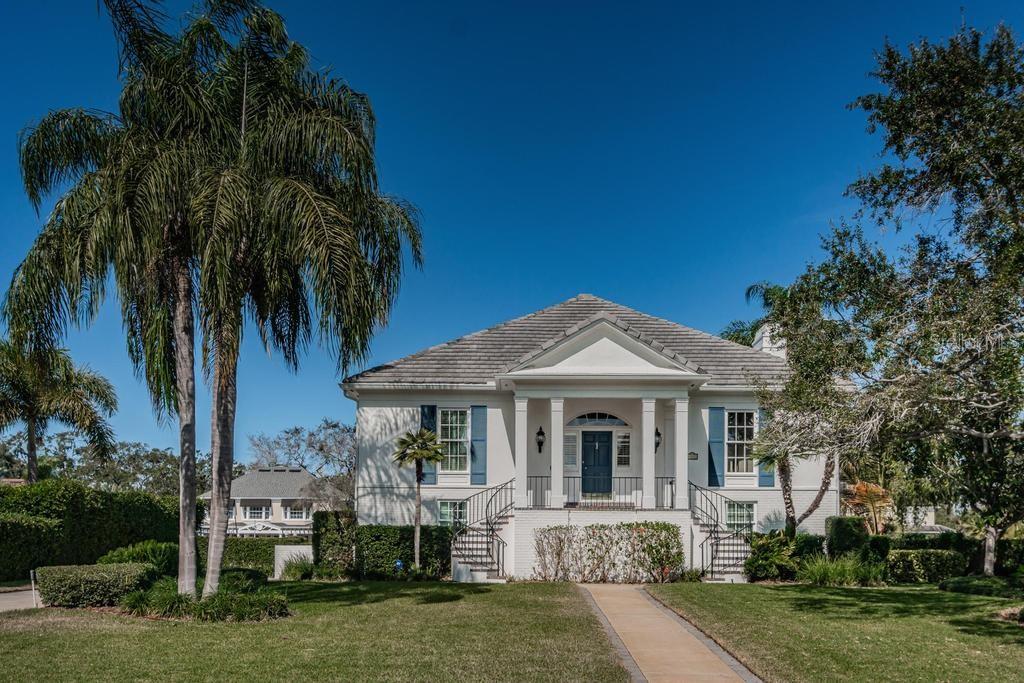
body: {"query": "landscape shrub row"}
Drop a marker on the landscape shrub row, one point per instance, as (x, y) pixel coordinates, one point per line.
(88, 523)
(925, 566)
(249, 552)
(92, 585)
(234, 601)
(27, 542)
(630, 552)
(342, 548)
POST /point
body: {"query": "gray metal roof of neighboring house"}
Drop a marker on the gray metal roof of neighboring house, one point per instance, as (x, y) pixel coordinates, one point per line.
(476, 358)
(272, 482)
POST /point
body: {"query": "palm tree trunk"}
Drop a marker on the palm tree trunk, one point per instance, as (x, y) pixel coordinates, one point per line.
(786, 483)
(416, 531)
(185, 376)
(225, 391)
(30, 450)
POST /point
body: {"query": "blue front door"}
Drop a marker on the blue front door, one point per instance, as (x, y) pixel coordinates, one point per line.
(597, 462)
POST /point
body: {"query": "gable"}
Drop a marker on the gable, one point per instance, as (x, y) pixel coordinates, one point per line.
(601, 348)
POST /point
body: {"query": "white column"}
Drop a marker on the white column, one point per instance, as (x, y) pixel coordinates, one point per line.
(647, 427)
(557, 461)
(681, 451)
(520, 454)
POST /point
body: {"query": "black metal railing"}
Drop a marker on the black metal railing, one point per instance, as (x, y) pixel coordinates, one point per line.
(605, 493)
(723, 548)
(475, 534)
(538, 492)
(664, 492)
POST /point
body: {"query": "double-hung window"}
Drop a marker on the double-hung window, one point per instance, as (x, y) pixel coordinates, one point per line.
(453, 435)
(739, 516)
(452, 512)
(297, 513)
(257, 512)
(739, 442)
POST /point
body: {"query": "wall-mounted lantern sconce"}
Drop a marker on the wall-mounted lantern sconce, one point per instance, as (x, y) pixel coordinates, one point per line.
(540, 440)
(657, 439)
(692, 455)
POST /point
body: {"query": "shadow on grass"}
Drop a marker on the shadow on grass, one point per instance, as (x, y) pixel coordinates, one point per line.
(303, 593)
(968, 613)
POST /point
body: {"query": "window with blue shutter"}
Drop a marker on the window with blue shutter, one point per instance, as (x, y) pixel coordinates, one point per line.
(428, 420)
(765, 473)
(478, 445)
(716, 446)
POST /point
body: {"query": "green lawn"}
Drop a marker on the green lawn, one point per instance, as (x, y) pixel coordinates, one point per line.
(803, 633)
(359, 631)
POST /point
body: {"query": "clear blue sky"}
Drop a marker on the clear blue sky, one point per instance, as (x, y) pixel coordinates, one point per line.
(659, 155)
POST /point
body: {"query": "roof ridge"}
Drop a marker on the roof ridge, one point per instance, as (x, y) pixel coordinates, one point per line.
(469, 335)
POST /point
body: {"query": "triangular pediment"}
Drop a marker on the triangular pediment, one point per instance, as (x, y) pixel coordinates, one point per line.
(602, 346)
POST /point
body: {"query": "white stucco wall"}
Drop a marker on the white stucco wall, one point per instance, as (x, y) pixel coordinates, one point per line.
(385, 493)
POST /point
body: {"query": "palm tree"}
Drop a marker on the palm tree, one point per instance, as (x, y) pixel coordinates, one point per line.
(416, 448)
(766, 294)
(127, 213)
(295, 233)
(43, 385)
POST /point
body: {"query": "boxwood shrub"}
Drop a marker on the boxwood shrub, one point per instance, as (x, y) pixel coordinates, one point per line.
(380, 546)
(92, 585)
(845, 535)
(808, 545)
(925, 566)
(27, 542)
(334, 542)
(249, 553)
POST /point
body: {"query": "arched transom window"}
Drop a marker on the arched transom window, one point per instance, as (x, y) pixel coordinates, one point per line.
(597, 419)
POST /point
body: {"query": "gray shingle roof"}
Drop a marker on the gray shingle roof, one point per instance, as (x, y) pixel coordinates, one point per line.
(476, 358)
(276, 482)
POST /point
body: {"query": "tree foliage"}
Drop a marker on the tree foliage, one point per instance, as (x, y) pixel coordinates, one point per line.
(328, 451)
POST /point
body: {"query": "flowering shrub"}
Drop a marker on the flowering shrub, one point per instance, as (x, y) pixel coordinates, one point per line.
(632, 552)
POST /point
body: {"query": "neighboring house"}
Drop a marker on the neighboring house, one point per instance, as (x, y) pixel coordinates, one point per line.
(585, 412)
(271, 501)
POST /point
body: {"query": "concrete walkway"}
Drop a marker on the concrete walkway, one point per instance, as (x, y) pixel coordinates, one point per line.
(16, 600)
(660, 643)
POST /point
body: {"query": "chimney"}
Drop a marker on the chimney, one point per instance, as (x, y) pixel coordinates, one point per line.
(768, 340)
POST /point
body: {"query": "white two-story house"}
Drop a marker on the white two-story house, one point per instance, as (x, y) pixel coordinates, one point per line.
(585, 412)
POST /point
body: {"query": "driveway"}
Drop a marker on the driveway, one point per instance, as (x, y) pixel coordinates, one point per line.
(16, 600)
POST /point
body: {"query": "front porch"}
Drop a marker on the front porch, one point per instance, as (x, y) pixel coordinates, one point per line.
(604, 451)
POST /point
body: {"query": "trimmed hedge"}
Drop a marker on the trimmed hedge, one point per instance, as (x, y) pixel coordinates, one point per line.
(249, 552)
(27, 542)
(162, 555)
(808, 545)
(876, 549)
(845, 535)
(92, 522)
(380, 546)
(334, 543)
(628, 552)
(92, 585)
(925, 566)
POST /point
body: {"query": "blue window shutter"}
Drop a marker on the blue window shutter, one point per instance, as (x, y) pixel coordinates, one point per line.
(478, 447)
(428, 420)
(765, 473)
(716, 446)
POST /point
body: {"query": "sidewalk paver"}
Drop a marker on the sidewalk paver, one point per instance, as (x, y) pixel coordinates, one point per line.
(661, 647)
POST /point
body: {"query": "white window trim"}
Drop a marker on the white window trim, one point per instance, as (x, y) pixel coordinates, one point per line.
(306, 513)
(469, 438)
(615, 447)
(268, 512)
(753, 512)
(617, 469)
(573, 468)
(450, 502)
(725, 440)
